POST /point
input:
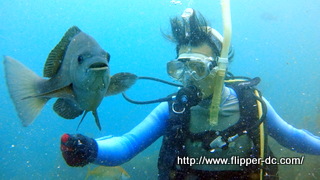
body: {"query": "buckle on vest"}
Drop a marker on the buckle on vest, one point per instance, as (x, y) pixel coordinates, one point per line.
(173, 107)
(218, 143)
(223, 142)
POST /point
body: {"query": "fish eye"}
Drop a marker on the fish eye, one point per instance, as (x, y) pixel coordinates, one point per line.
(80, 59)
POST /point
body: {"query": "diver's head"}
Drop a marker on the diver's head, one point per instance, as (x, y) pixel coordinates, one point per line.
(197, 67)
(198, 48)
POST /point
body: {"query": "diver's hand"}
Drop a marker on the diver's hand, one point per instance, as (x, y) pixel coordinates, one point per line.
(78, 150)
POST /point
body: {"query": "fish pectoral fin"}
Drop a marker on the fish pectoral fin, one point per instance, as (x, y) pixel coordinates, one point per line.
(96, 118)
(67, 109)
(121, 82)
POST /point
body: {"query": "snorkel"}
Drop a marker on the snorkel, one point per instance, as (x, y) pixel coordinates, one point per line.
(220, 72)
(222, 63)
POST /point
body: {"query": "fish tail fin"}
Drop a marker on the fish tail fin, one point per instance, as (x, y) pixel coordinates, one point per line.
(22, 83)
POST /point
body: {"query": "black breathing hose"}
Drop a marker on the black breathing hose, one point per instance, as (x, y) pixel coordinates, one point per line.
(156, 100)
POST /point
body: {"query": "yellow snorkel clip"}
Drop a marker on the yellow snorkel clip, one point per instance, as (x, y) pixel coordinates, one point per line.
(222, 63)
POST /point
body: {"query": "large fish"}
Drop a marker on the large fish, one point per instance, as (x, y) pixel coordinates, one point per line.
(77, 73)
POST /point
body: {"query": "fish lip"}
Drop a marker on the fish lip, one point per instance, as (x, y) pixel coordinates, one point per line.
(98, 66)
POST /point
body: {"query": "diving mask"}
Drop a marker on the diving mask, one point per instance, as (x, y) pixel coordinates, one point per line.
(197, 65)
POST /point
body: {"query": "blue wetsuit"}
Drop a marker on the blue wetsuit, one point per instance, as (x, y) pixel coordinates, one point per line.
(114, 151)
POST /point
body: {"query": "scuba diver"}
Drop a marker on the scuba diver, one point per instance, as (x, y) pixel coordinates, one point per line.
(245, 119)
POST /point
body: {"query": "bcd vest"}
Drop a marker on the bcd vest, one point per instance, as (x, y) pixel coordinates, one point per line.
(177, 132)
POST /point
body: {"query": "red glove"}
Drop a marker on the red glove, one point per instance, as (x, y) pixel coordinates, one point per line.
(78, 150)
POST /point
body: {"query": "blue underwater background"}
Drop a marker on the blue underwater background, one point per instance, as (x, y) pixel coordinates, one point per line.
(275, 40)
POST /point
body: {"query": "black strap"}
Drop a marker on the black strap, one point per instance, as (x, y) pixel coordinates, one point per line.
(248, 109)
(173, 141)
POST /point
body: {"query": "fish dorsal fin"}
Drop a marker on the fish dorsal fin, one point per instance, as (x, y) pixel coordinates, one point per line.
(121, 82)
(67, 109)
(56, 55)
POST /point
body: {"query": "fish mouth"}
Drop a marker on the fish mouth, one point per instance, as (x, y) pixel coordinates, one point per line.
(98, 66)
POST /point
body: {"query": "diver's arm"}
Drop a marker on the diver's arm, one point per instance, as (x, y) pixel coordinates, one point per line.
(298, 140)
(114, 151)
